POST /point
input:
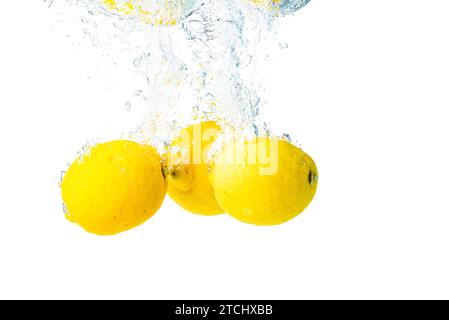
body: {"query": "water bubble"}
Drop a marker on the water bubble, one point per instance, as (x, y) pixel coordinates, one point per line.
(49, 3)
(256, 130)
(283, 45)
(287, 137)
(64, 209)
(142, 58)
(85, 150)
(61, 177)
(141, 95)
(136, 62)
(291, 6)
(266, 129)
(209, 67)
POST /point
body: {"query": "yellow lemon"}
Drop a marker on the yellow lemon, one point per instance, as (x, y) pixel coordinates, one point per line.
(188, 178)
(114, 187)
(263, 181)
(154, 12)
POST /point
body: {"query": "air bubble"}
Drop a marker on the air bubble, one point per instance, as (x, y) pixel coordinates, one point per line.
(287, 137)
(61, 177)
(213, 65)
(64, 209)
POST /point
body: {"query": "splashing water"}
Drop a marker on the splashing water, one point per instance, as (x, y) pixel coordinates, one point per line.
(196, 59)
(154, 12)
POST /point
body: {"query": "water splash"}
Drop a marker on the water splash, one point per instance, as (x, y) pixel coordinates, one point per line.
(281, 7)
(193, 60)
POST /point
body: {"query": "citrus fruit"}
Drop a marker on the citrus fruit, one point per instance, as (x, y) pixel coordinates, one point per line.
(188, 178)
(114, 187)
(263, 181)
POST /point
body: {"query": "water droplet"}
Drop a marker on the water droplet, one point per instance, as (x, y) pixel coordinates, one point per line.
(256, 130)
(50, 2)
(216, 63)
(287, 137)
(64, 209)
(61, 177)
(266, 129)
(283, 45)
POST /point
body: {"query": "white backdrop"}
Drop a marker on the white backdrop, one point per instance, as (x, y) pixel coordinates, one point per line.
(364, 86)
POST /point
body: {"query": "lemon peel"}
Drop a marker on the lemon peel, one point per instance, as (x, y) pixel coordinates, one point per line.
(188, 179)
(263, 181)
(114, 187)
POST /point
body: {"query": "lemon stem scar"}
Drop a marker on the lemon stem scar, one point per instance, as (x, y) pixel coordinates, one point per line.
(312, 178)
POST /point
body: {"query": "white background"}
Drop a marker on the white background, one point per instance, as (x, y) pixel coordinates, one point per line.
(364, 86)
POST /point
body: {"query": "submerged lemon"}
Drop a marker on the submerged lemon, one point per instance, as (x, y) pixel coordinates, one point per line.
(154, 12)
(116, 186)
(188, 179)
(264, 181)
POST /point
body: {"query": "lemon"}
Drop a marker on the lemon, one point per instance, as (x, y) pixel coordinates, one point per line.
(116, 186)
(188, 178)
(154, 12)
(263, 181)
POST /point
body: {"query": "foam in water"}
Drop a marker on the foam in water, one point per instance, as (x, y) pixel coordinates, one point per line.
(196, 59)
